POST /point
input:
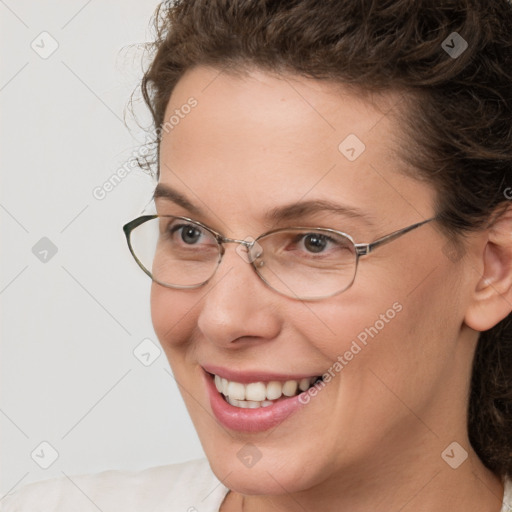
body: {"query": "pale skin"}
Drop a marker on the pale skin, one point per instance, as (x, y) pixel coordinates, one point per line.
(373, 438)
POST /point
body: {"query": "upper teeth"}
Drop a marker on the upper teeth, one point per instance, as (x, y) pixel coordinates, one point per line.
(261, 391)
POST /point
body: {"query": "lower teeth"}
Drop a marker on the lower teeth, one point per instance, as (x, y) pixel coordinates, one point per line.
(248, 404)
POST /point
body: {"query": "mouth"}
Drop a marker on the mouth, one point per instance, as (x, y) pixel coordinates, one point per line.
(254, 395)
(255, 401)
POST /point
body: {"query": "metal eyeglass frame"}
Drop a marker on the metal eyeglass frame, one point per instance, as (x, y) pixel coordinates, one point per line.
(361, 249)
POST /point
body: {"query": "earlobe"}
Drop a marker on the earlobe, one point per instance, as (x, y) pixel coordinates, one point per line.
(492, 296)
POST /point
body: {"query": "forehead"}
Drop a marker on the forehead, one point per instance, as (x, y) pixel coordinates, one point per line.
(256, 99)
(263, 139)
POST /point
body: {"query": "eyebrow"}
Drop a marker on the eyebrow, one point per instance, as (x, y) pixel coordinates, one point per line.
(304, 208)
(277, 214)
(165, 192)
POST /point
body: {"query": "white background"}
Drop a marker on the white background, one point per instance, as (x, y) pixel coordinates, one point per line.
(69, 325)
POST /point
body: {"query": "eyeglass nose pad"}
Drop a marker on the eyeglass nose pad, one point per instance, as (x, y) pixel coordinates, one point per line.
(255, 251)
(249, 250)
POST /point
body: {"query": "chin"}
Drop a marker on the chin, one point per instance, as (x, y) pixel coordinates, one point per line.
(269, 475)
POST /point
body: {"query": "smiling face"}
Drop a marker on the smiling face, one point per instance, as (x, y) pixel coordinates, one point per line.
(391, 348)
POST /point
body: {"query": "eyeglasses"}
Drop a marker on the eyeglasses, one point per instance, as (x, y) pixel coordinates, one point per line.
(299, 262)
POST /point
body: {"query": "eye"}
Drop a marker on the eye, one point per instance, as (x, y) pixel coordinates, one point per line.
(316, 242)
(317, 246)
(188, 233)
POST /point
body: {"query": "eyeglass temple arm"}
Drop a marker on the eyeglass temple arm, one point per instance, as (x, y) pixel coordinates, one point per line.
(363, 249)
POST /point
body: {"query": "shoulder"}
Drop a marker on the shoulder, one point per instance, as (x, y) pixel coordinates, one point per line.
(188, 487)
(507, 498)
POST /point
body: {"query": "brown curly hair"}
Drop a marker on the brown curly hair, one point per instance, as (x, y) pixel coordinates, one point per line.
(458, 114)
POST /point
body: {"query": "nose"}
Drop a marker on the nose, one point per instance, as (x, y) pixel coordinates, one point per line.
(237, 303)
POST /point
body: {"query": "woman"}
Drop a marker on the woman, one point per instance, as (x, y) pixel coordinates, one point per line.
(331, 257)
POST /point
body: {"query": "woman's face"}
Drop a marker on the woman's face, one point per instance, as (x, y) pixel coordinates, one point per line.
(252, 144)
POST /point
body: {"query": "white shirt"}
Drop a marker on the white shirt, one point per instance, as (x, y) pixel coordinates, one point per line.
(187, 487)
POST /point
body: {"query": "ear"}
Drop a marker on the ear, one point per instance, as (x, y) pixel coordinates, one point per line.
(492, 297)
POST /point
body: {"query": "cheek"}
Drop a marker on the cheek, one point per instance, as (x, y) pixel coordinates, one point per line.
(406, 336)
(408, 352)
(350, 326)
(173, 314)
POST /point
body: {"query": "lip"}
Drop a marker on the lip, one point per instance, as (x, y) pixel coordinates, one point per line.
(246, 377)
(250, 420)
